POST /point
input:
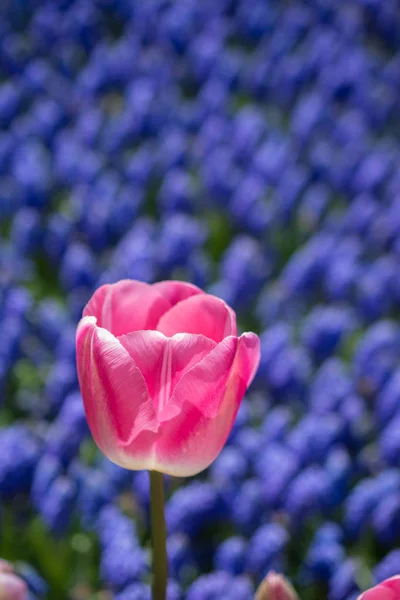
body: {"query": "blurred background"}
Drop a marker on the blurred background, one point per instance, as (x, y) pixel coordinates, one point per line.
(252, 148)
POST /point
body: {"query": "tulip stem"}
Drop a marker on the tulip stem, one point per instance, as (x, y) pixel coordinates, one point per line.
(158, 536)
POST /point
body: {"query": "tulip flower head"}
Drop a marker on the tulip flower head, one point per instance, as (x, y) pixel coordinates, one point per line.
(12, 587)
(276, 587)
(162, 373)
(387, 590)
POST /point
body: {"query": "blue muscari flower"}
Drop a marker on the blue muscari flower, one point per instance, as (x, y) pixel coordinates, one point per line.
(314, 436)
(48, 469)
(48, 117)
(364, 497)
(219, 175)
(313, 206)
(61, 381)
(50, 320)
(125, 209)
(307, 494)
(306, 267)
(386, 518)
(389, 442)
(273, 341)
(216, 585)
(331, 385)
(177, 193)
(193, 507)
(229, 469)
(376, 355)
(339, 469)
(325, 328)
(181, 559)
(276, 424)
(19, 451)
(289, 191)
(179, 236)
(31, 169)
(95, 490)
(122, 560)
(57, 504)
(68, 430)
(230, 555)
(245, 268)
(37, 585)
(266, 550)
(341, 276)
(112, 521)
(119, 477)
(288, 373)
(57, 236)
(17, 303)
(249, 126)
(322, 560)
(247, 506)
(388, 566)
(10, 100)
(141, 591)
(198, 268)
(249, 442)
(26, 231)
(272, 157)
(342, 584)
(375, 287)
(123, 563)
(135, 255)
(88, 125)
(361, 214)
(141, 488)
(136, 591)
(249, 208)
(388, 402)
(306, 115)
(276, 467)
(78, 267)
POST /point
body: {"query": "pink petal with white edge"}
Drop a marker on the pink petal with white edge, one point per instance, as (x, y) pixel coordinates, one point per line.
(163, 361)
(12, 587)
(176, 291)
(203, 314)
(118, 407)
(127, 306)
(204, 406)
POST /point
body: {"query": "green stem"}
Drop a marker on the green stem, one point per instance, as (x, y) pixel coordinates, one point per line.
(158, 536)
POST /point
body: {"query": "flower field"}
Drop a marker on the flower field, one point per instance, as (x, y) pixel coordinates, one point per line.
(252, 148)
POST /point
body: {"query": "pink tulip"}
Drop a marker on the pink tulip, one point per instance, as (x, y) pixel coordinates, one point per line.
(162, 373)
(12, 587)
(276, 587)
(387, 590)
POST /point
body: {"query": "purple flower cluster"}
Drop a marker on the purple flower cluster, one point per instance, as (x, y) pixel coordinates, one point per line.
(250, 147)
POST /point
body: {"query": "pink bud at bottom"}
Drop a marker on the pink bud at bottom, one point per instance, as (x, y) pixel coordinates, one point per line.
(12, 587)
(5, 566)
(276, 587)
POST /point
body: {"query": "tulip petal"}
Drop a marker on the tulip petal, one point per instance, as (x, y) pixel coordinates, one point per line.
(378, 593)
(203, 314)
(393, 583)
(208, 398)
(12, 587)
(118, 407)
(163, 361)
(127, 306)
(176, 291)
